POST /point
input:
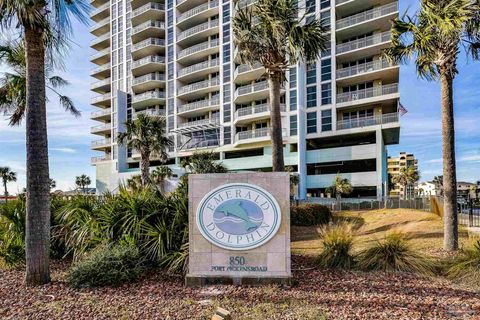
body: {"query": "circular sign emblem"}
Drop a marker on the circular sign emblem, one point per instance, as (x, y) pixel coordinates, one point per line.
(238, 216)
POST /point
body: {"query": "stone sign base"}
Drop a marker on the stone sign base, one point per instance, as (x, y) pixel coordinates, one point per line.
(257, 204)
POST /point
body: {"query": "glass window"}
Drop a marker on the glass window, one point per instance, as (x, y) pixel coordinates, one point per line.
(311, 96)
(226, 53)
(326, 66)
(226, 13)
(326, 120)
(311, 122)
(227, 135)
(311, 73)
(293, 125)
(226, 73)
(310, 6)
(227, 115)
(293, 100)
(328, 49)
(325, 18)
(226, 93)
(326, 93)
(324, 4)
(293, 77)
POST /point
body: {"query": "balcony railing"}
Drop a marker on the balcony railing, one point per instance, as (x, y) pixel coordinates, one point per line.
(252, 88)
(257, 133)
(213, 120)
(151, 113)
(101, 127)
(100, 24)
(341, 1)
(367, 121)
(102, 38)
(148, 42)
(244, 3)
(99, 98)
(100, 159)
(147, 60)
(101, 142)
(198, 66)
(199, 85)
(148, 24)
(247, 111)
(101, 68)
(149, 95)
(367, 93)
(198, 47)
(155, 76)
(363, 68)
(364, 42)
(100, 53)
(197, 10)
(100, 9)
(367, 15)
(100, 83)
(198, 28)
(148, 6)
(198, 105)
(100, 113)
(246, 68)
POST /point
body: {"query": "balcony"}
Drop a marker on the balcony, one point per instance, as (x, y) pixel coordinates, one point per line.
(246, 72)
(148, 29)
(261, 135)
(256, 112)
(377, 69)
(148, 65)
(147, 99)
(100, 12)
(151, 113)
(200, 124)
(148, 47)
(101, 42)
(101, 114)
(370, 95)
(101, 129)
(202, 30)
(101, 144)
(367, 46)
(198, 51)
(101, 100)
(100, 27)
(101, 57)
(101, 86)
(104, 158)
(198, 107)
(201, 69)
(198, 14)
(251, 92)
(148, 82)
(390, 123)
(101, 72)
(199, 88)
(149, 11)
(360, 20)
(244, 3)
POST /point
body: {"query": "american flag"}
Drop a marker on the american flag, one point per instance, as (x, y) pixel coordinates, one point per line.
(401, 109)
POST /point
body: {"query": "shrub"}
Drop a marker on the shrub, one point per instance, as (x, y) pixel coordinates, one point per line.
(12, 232)
(309, 214)
(337, 243)
(466, 266)
(106, 266)
(394, 253)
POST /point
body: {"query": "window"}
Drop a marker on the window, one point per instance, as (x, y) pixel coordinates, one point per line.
(226, 93)
(348, 166)
(293, 125)
(324, 4)
(227, 114)
(227, 135)
(326, 93)
(226, 73)
(226, 33)
(326, 68)
(311, 96)
(311, 73)
(293, 77)
(226, 13)
(310, 6)
(326, 120)
(325, 18)
(293, 100)
(311, 122)
(328, 50)
(226, 53)
(170, 106)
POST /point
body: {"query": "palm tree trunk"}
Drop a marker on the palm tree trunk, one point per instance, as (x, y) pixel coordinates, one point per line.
(450, 240)
(5, 190)
(37, 238)
(144, 168)
(274, 82)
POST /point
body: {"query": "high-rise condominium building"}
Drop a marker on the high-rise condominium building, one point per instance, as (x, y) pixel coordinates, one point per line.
(395, 164)
(178, 60)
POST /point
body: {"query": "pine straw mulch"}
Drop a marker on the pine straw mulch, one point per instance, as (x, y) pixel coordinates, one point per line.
(317, 294)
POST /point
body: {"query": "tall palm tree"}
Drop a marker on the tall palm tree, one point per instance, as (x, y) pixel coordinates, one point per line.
(406, 177)
(42, 22)
(434, 37)
(83, 182)
(13, 86)
(147, 135)
(270, 33)
(159, 175)
(7, 176)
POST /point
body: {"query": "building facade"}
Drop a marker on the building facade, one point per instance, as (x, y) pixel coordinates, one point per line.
(395, 164)
(177, 60)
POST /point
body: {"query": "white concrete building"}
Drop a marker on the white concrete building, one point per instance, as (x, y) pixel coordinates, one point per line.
(177, 59)
(426, 189)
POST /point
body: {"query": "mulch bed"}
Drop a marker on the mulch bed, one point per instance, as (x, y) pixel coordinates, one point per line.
(316, 294)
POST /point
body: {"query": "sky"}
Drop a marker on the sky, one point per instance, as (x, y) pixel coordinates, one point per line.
(69, 137)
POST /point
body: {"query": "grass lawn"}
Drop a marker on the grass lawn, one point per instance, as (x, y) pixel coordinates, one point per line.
(316, 294)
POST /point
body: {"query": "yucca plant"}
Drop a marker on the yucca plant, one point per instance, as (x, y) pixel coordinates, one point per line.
(12, 232)
(466, 266)
(394, 253)
(337, 245)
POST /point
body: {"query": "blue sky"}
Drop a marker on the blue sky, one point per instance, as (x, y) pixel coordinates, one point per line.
(69, 137)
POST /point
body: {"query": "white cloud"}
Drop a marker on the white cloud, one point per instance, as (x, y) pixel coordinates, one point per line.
(65, 150)
(471, 158)
(438, 160)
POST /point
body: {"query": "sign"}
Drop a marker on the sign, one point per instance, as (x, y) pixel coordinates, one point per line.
(238, 216)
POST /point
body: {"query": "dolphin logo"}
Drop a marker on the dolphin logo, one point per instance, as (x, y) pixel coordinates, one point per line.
(237, 211)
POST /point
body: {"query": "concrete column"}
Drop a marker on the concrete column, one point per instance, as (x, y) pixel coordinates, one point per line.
(381, 164)
(301, 131)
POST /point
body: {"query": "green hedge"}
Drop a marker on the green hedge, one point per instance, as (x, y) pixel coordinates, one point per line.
(309, 214)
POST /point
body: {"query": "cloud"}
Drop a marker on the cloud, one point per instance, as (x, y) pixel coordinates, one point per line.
(65, 150)
(471, 158)
(437, 160)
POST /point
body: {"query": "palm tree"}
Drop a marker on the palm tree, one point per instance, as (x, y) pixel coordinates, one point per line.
(53, 183)
(45, 26)
(203, 162)
(270, 33)
(438, 182)
(341, 186)
(434, 37)
(13, 88)
(147, 135)
(407, 176)
(7, 176)
(83, 182)
(159, 175)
